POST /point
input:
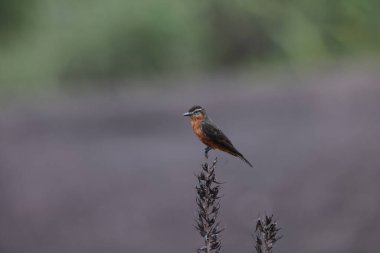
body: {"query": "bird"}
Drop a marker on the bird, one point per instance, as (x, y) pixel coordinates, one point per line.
(210, 134)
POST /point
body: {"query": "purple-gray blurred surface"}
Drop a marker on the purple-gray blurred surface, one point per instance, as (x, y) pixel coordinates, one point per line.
(114, 171)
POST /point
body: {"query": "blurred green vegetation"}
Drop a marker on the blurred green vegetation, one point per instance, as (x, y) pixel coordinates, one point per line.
(46, 42)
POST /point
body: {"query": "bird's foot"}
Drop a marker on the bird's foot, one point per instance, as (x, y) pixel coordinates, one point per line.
(207, 149)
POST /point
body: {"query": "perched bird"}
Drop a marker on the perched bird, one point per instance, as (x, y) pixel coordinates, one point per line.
(210, 134)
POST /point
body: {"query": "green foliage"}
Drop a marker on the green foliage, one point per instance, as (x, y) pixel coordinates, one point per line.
(14, 16)
(88, 40)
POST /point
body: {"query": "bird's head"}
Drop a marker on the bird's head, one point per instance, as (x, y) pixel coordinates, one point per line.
(196, 112)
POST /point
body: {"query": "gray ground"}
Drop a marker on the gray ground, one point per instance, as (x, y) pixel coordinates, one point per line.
(114, 171)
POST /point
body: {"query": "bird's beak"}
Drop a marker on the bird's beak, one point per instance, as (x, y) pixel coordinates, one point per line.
(187, 114)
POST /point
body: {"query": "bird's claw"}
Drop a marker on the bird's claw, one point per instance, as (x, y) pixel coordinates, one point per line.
(207, 149)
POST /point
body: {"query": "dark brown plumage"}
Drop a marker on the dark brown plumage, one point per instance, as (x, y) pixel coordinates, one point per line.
(210, 134)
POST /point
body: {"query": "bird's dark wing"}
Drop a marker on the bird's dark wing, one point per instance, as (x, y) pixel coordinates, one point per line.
(220, 140)
(218, 137)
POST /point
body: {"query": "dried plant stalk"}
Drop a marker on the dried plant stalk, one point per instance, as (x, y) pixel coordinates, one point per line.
(266, 234)
(208, 208)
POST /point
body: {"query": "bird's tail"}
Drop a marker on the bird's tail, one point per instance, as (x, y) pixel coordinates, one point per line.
(233, 151)
(244, 159)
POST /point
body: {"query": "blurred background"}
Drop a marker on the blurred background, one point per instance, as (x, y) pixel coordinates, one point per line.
(95, 155)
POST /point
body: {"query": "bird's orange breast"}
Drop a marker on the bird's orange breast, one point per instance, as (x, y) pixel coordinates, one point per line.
(196, 124)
